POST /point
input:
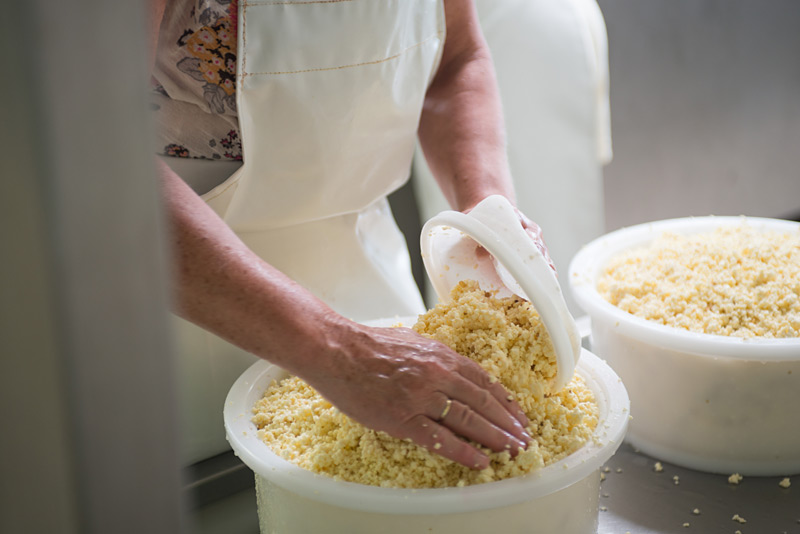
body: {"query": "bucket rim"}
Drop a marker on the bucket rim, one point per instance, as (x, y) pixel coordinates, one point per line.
(614, 413)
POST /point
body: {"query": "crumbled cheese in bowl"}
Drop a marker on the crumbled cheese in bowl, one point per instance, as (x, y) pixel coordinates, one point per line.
(734, 281)
(507, 338)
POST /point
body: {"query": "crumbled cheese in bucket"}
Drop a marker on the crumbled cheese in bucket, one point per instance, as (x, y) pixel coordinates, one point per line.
(507, 338)
(734, 281)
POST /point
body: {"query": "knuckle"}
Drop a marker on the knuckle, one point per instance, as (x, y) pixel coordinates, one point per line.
(464, 417)
(485, 401)
(417, 429)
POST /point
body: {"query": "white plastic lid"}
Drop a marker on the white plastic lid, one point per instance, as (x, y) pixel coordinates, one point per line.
(514, 266)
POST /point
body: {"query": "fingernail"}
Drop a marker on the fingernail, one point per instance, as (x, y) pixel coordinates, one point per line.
(522, 431)
(481, 461)
(515, 447)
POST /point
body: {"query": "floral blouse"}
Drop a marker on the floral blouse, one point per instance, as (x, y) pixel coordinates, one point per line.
(194, 93)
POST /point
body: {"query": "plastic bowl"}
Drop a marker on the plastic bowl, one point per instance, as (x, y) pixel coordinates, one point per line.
(712, 403)
(515, 265)
(562, 497)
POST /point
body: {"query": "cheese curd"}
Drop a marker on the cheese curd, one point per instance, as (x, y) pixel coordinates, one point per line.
(507, 338)
(734, 281)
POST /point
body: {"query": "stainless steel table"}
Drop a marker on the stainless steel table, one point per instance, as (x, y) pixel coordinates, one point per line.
(636, 498)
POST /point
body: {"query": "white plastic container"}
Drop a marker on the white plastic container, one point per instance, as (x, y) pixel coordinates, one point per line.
(712, 403)
(513, 265)
(562, 497)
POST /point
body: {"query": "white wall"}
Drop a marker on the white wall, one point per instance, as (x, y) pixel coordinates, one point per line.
(705, 108)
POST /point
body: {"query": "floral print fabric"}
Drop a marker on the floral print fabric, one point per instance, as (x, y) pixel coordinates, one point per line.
(194, 94)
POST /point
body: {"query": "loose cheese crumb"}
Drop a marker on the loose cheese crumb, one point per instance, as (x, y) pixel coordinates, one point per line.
(676, 479)
(507, 338)
(734, 281)
(658, 467)
(785, 483)
(686, 525)
(735, 478)
(738, 518)
(696, 511)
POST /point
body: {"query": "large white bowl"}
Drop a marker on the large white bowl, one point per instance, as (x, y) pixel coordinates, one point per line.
(713, 403)
(562, 497)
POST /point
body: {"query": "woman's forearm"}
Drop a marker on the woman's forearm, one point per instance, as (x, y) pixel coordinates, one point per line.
(461, 128)
(225, 288)
(389, 379)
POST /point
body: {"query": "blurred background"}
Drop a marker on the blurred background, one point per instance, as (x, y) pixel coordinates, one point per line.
(705, 109)
(704, 119)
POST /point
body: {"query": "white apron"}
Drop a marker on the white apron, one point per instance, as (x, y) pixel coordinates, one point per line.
(329, 95)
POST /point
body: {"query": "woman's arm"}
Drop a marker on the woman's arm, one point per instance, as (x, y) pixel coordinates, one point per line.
(389, 379)
(461, 130)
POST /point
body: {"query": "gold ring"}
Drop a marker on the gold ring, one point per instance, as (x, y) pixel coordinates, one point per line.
(446, 409)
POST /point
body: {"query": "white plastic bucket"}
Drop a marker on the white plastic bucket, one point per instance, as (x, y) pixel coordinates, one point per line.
(562, 497)
(712, 403)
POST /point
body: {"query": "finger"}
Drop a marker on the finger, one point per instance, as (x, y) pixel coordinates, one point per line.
(538, 239)
(479, 377)
(480, 251)
(535, 231)
(439, 440)
(465, 422)
(482, 402)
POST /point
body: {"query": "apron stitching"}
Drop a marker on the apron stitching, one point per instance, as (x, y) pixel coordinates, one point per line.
(243, 28)
(322, 69)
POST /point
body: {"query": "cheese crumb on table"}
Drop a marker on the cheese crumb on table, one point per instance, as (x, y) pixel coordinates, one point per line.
(658, 467)
(738, 518)
(507, 338)
(735, 478)
(785, 483)
(734, 281)
(676, 479)
(696, 511)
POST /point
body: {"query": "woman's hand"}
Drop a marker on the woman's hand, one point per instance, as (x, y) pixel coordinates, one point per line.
(533, 231)
(412, 387)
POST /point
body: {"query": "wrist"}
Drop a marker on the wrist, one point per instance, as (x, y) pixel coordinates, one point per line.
(327, 350)
(468, 201)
